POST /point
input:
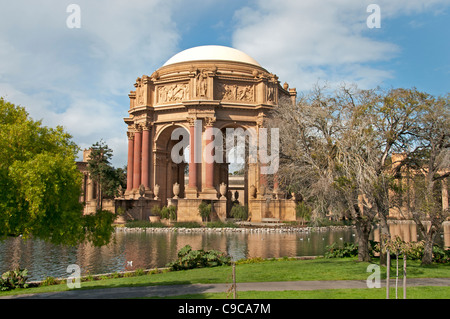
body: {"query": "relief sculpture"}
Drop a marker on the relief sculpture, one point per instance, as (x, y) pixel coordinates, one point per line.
(173, 93)
(233, 92)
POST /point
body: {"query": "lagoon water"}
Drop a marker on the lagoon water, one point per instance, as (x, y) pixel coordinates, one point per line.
(139, 249)
(147, 250)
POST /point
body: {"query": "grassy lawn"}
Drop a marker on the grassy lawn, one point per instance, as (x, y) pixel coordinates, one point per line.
(266, 271)
(411, 293)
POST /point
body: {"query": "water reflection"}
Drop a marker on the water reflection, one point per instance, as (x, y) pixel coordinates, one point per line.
(129, 251)
(408, 231)
(134, 250)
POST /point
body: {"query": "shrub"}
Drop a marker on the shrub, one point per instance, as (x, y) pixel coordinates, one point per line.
(204, 210)
(169, 212)
(349, 250)
(440, 255)
(304, 212)
(186, 225)
(14, 279)
(189, 259)
(238, 211)
(48, 281)
(156, 211)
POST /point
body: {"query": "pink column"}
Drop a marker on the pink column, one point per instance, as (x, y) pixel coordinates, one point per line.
(145, 156)
(137, 159)
(275, 181)
(209, 165)
(192, 164)
(130, 161)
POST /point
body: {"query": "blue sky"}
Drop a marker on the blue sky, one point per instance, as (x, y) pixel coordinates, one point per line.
(80, 78)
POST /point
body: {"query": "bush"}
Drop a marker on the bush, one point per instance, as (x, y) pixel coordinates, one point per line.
(440, 255)
(189, 259)
(204, 210)
(169, 212)
(14, 279)
(304, 212)
(349, 250)
(186, 225)
(238, 211)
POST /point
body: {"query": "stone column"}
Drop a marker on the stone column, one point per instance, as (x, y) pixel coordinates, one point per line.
(192, 164)
(444, 194)
(137, 157)
(130, 161)
(145, 177)
(209, 164)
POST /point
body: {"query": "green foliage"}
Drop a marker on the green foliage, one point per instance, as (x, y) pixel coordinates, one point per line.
(189, 259)
(440, 255)
(14, 279)
(169, 212)
(49, 281)
(156, 211)
(221, 224)
(204, 210)
(99, 227)
(143, 224)
(187, 225)
(253, 260)
(349, 250)
(303, 211)
(108, 178)
(40, 182)
(238, 211)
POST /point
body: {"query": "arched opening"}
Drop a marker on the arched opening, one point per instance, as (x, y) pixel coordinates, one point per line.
(239, 169)
(170, 154)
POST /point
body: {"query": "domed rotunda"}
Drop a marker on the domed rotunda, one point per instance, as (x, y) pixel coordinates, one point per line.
(172, 114)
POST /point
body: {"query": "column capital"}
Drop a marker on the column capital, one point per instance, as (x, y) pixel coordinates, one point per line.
(209, 121)
(137, 128)
(191, 121)
(146, 126)
(130, 135)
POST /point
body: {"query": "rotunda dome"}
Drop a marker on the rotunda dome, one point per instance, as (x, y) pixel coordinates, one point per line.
(211, 53)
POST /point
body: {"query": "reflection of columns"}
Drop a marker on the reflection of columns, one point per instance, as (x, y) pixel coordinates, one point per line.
(145, 155)
(130, 161)
(137, 158)
(192, 164)
(209, 162)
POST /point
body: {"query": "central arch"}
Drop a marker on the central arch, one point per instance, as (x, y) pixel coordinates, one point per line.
(166, 171)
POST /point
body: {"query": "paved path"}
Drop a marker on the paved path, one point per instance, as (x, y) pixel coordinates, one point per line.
(174, 290)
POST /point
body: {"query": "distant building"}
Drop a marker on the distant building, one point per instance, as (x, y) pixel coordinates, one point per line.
(88, 188)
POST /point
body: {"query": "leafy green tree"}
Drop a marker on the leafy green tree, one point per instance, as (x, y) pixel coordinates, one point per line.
(40, 183)
(107, 178)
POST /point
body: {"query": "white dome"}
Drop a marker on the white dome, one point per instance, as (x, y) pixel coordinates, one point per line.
(211, 53)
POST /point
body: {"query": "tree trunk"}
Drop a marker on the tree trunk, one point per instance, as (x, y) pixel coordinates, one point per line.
(427, 258)
(362, 231)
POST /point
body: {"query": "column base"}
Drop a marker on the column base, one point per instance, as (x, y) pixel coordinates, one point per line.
(191, 192)
(208, 193)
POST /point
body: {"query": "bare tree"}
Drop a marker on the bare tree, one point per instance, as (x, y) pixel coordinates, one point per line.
(336, 149)
(429, 162)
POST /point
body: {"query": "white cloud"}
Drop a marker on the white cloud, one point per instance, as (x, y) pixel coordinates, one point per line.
(80, 78)
(308, 41)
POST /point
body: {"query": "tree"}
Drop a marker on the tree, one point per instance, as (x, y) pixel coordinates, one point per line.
(336, 148)
(429, 164)
(40, 183)
(107, 178)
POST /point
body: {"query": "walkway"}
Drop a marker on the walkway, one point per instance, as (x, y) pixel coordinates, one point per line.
(174, 290)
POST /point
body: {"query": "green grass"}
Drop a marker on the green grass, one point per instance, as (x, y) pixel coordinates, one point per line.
(265, 271)
(380, 293)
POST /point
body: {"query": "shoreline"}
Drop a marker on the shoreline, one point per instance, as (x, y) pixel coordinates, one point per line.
(260, 229)
(248, 227)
